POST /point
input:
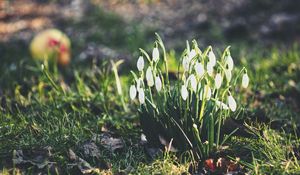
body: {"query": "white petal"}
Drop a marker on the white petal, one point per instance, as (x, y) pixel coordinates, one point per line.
(231, 103)
(141, 96)
(149, 77)
(192, 54)
(212, 58)
(185, 64)
(245, 80)
(229, 62)
(193, 81)
(199, 68)
(210, 68)
(132, 92)
(228, 74)
(158, 84)
(155, 54)
(218, 81)
(221, 105)
(140, 63)
(184, 92)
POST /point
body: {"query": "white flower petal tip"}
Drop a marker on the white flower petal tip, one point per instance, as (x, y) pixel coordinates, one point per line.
(212, 58)
(149, 77)
(193, 82)
(199, 68)
(218, 81)
(140, 63)
(231, 103)
(132, 92)
(141, 96)
(229, 62)
(245, 80)
(158, 84)
(155, 54)
(221, 105)
(184, 92)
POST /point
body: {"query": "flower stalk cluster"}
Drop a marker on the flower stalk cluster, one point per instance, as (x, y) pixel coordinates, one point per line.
(192, 109)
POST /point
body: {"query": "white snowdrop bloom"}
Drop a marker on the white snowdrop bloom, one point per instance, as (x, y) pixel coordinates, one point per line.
(199, 68)
(185, 63)
(132, 92)
(231, 103)
(210, 68)
(140, 63)
(229, 62)
(205, 92)
(158, 84)
(155, 54)
(141, 96)
(221, 105)
(192, 54)
(184, 92)
(212, 58)
(149, 77)
(228, 74)
(245, 80)
(218, 80)
(193, 81)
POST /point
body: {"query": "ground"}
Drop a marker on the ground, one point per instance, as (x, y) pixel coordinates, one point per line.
(80, 124)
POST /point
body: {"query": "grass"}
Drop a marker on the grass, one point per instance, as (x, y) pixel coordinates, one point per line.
(65, 109)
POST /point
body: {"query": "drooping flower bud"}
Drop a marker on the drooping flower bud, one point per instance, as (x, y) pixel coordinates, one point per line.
(155, 54)
(231, 103)
(212, 58)
(184, 92)
(210, 68)
(229, 62)
(221, 105)
(141, 96)
(158, 84)
(228, 75)
(193, 81)
(140, 63)
(218, 80)
(199, 68)
(149, 77)
(245, 80)
(132, 92)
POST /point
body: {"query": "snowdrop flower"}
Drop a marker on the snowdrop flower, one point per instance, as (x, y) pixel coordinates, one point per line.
(132, 92)
(229, 62)
(140, 63)
(191, 55)
(218, 81)
(199, 68)
(185, 63)
(205, 91)
(192, 79)
(149, 77)
(221, 105)
(184, 92)
(228, 74)
(141, 96)
(158, 84)
(212, 58)
(245, 80)
(231, 103)
(210, 68)
(155, 54)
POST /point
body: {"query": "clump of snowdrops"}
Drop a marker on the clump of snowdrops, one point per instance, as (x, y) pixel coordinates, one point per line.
(186, 114)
